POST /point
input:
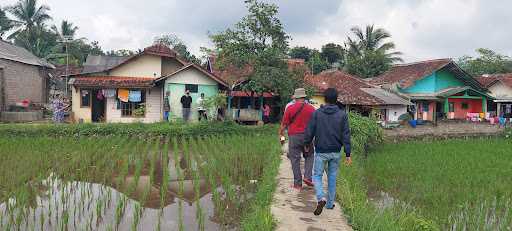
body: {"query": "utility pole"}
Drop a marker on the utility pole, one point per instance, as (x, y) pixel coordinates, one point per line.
(66, 39)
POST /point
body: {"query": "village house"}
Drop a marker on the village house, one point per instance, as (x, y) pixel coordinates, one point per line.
(438, 88)
(132, 89)
(500, 87)
(23, 76)
(358, 95)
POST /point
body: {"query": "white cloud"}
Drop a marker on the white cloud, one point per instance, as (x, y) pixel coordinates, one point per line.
(421, 29)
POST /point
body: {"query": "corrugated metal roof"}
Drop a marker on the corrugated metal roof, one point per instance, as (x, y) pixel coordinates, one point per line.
(100, 63)
(19, 54)
(386, 96)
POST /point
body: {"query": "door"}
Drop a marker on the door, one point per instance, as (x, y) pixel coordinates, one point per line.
(98, 106)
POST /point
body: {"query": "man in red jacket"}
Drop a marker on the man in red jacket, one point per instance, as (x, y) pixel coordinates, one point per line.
(296, 118)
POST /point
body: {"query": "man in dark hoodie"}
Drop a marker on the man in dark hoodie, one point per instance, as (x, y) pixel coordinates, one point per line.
(330, 129)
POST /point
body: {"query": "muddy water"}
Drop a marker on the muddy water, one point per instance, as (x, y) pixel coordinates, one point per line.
(137, 204)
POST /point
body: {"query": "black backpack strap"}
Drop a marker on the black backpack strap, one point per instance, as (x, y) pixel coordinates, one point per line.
(295, 115)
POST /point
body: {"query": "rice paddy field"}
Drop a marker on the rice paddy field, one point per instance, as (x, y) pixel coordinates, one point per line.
(456, 184)
(134, 183)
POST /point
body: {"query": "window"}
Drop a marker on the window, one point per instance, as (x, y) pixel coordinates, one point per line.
(464, 106)
(425, 106)
(132, 109)
(191, 87)
(451, 107)
(85, 98)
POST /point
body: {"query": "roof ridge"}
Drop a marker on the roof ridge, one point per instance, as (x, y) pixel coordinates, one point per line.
(423, 61)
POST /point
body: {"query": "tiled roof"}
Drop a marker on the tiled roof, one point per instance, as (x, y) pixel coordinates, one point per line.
(488, 80)
(19, 54)
(160, 50)
(350, 88)
(113, 82)
(406, 74)
(233, 74)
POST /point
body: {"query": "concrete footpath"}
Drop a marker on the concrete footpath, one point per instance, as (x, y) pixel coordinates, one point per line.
(293, 210)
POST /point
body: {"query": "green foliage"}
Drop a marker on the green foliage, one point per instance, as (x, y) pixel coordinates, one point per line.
(259, 41)
(137, 129)
(487, 62)
(300, 53)
(179, 46)
(333, 53)
(368, 55)
(5, 23)
(317, 63)
(120, 52)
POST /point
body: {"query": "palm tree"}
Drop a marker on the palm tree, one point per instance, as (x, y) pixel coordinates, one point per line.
(27, 15)
(369, 54)
(66, 29)
(372, 40)
(5, 23)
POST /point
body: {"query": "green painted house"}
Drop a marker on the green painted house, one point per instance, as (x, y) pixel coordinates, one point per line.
(438, 88)
(195, 79)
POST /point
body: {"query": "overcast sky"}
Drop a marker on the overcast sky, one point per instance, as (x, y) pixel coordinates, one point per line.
(421, 29)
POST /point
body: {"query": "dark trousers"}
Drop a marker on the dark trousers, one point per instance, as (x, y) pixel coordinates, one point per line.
(295, 154)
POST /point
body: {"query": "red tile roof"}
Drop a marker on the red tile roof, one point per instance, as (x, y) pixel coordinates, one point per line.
(113, 82)
(349, 87)
(160, 50)
(406, 74)
(488, 80)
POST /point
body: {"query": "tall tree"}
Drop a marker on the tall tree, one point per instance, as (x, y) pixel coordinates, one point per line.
(5, 23)
(369, 54)
(179, 46)
(487, 62)
(317, 63)
(121, 52)
(65, 29)
(300, 53)
(28, 15)
(333, 53)
(259, 40)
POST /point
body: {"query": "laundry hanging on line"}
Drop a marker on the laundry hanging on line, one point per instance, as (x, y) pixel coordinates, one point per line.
(109, 93)
(122, 94)
(135, 96)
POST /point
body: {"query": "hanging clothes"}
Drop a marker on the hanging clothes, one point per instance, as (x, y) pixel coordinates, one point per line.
(122, 94)
(135, 96)
(109, 93)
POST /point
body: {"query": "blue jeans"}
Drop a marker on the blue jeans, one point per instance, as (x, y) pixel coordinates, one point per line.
(333, 161)
(166, 116)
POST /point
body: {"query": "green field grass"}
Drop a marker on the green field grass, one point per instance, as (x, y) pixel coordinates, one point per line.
(215, 181)
(458, 184)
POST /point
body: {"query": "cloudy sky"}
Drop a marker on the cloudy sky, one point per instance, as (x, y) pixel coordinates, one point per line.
(421, 29)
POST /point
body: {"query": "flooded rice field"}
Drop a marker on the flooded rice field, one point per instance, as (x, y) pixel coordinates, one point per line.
(125, 184)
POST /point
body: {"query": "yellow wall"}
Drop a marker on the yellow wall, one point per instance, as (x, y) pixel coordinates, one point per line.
(79, 112)
(499, 90)
(143, 66)
(170, 65)
(317, 100)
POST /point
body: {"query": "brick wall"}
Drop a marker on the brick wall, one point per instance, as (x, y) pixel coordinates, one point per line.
(22, 81)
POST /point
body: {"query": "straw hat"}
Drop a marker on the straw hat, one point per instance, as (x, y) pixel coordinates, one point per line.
(299, 93)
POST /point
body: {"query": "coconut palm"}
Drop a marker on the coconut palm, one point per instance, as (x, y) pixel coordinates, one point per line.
(27, 15)
(5, 23)
(369, 54)
(66, 29)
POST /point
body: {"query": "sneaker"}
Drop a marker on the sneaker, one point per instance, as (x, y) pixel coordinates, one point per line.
(330, 207)
(309, 183)
(319, 207)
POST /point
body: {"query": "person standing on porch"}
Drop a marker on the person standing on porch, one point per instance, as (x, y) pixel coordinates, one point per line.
(166, 106)
(296, 118)
(330, 131)
(186, 101)
(201, 108)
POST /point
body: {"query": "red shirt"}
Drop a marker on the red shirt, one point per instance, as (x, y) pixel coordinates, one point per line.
(301, 120)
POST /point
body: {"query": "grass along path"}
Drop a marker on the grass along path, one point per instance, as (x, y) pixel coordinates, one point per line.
(293, 210)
